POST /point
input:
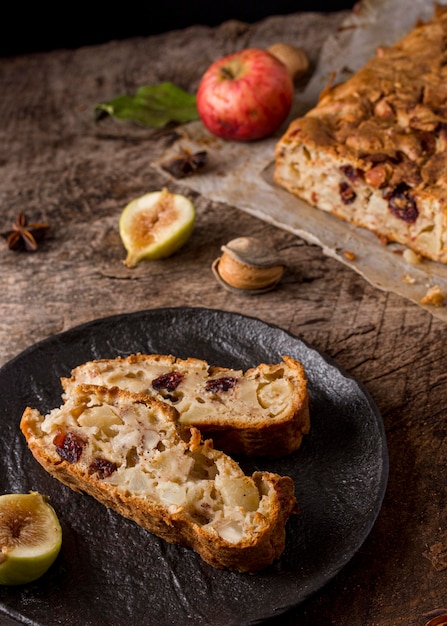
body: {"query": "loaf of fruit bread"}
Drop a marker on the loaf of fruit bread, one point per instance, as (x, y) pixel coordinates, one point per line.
(261, 412)
(125, 450)
(373, 151)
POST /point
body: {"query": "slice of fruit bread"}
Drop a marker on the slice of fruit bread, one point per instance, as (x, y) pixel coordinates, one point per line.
(263, 411)
(126, 451)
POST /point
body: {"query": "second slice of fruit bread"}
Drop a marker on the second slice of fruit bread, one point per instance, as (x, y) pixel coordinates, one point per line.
(125, 450)
(261, 412)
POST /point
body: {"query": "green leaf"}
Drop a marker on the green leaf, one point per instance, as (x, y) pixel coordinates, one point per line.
(152, 105)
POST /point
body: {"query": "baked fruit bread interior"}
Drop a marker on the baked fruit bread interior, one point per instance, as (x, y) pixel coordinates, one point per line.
(125, 450)
(374, 150)
(264, 411)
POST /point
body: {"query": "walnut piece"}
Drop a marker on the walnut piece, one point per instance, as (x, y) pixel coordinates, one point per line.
(434, 296)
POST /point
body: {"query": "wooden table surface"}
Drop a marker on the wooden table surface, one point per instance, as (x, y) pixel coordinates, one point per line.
(61, 166)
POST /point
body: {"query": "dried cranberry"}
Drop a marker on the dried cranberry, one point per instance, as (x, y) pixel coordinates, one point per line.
(220, 384)
(428, 142)
(347, 193)
(69, 446)
(352, 173)
(102, 467)
(169, 381)
(402, 204)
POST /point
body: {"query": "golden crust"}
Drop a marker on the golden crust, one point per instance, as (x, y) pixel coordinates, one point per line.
(388, 123)
(266, 413)
(386, 108)
(263, 538)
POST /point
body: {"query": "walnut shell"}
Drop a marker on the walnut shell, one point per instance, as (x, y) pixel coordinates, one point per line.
(295, 59)
(246, 264)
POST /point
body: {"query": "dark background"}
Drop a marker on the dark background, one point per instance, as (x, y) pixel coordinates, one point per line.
(40, 27)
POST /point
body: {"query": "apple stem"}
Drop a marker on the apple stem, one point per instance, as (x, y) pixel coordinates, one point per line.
(226, 73)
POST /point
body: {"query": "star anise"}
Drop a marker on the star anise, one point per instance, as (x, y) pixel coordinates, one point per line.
(186, 163)
(24, 236)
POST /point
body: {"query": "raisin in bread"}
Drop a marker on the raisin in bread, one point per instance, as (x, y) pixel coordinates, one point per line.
(125, 450)
(264, 411)
(373, 151)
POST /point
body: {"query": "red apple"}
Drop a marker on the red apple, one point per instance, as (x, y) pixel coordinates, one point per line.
(245, 96)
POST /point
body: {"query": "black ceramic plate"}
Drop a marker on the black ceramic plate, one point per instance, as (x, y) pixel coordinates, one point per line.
(110, 571)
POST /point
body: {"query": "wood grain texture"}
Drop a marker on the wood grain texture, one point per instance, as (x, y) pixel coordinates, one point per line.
(59, 165)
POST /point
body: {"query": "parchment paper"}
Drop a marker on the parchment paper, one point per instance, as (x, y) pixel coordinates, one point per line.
(241, 174)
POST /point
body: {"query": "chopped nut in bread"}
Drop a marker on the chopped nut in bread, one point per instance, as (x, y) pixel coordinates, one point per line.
(264, 411)
(125, 450)
(373, 151)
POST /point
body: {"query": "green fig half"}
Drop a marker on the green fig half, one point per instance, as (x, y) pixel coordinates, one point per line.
(30, 537)
(155, 226)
